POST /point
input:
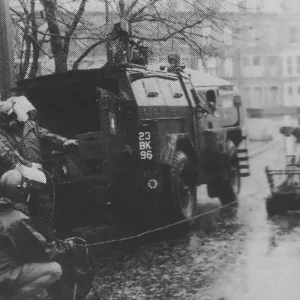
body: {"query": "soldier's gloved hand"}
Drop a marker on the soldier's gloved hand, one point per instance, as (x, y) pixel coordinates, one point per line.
(70, 143)
(72, 247)
(65, 246)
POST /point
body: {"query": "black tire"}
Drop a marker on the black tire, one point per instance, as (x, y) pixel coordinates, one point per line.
(213, 187)
(230, 184)
(276, 207)
(270, 207)
(183, 188)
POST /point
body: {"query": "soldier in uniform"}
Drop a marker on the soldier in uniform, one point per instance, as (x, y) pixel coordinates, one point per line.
(295, 132)
(20, 143)
(26, 259)
(28, 262)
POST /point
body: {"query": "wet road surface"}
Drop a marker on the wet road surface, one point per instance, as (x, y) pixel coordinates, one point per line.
(235, 254)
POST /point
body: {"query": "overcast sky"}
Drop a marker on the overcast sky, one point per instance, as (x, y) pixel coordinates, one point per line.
(267, 5)
(274, 5)
(231, 5)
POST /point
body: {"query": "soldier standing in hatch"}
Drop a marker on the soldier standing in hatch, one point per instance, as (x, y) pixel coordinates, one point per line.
(20, 143)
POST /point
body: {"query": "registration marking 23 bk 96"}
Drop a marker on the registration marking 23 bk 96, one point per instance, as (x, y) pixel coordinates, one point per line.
(145, 145)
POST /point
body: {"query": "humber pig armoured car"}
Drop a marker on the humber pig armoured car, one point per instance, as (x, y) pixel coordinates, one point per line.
(146, 139)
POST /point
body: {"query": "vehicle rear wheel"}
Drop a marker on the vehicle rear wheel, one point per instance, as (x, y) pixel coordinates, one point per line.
(270, 207)
(276, 207)
(230, 184)
(183, 188)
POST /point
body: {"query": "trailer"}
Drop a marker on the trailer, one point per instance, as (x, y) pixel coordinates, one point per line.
(284, 182)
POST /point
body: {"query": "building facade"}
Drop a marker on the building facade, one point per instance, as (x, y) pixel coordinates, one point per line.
(264, 59)
(257, 50)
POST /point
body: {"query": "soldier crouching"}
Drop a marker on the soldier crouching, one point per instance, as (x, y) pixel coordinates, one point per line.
(28, 262)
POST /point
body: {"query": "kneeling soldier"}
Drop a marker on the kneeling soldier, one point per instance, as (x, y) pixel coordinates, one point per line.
(28, 263)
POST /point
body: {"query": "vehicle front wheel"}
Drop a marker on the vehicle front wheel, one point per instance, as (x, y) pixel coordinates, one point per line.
(230, 184)
(183, 188)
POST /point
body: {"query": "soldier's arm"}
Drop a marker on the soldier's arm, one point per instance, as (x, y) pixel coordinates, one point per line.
(50, 137)
(10, 156)
(31, 246)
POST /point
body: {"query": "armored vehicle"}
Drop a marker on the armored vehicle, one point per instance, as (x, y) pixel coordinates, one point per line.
(146, 140)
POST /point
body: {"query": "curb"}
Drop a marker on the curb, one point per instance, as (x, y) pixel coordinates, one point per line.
(262, 149)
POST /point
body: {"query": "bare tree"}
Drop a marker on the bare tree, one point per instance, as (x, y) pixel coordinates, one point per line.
(151, 21)
(27, 45)
(53, 24)
(165, 21)
(60, 43)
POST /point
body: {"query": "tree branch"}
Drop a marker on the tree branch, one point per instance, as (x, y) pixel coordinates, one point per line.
(86, 52)
(76, 19)
(36, 46)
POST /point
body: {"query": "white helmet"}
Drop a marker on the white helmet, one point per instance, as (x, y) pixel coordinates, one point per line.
(15, 187)
(17, 108)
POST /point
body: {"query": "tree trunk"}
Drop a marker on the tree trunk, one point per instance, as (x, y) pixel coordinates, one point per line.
(56, 40)
(109, 51)
(24, 64)
(35, 43)
(61, 59)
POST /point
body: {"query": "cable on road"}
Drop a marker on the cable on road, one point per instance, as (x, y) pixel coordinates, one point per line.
(176, 223)
(166, 226)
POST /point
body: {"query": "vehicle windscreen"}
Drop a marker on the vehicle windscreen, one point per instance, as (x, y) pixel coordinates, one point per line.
(157, 91)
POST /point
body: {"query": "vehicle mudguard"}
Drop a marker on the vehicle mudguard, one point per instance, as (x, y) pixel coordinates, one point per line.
(176, 142)
(215, 140)
(219, 149)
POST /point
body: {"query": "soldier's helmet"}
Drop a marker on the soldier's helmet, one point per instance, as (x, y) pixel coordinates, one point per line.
(14, 187)
(16, 109)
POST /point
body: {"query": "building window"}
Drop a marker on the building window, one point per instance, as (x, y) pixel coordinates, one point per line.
(298, 64)
(256, 60)
(272, 60)
(293, 34)
(246, 61)
(247, 92)
(290, 89)
(298, 90)
(228, 67)
(247, 96)
(257, 97)
(289, 65)
(272, 35)
(274, 96)
(212, 66)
